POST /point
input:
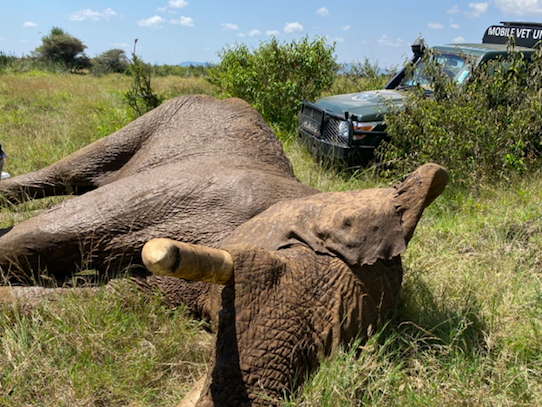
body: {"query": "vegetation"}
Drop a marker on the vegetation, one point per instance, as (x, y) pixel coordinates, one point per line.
(467, 331)
(293, 71)
(141, 98)
(360, 76)
(60, 49)
(195, 71)
(111, 61)
(488, 129)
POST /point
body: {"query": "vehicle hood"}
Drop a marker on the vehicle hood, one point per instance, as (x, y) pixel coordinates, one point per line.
(370, 105)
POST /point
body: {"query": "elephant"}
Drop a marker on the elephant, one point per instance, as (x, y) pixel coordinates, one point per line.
(297, 281)
(200, 188)
(192, 169)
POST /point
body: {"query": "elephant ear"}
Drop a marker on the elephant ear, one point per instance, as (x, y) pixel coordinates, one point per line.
(416, 193)
(360, 227)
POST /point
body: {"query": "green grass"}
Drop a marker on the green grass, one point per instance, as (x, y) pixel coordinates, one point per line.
(99, 349)
(467, 331)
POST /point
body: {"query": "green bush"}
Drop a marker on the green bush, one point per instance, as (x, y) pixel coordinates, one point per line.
(360, 76)
(275, 78)
(487, 129)
(62, 49)
(176, 70)
(111, 61)
(141, 98)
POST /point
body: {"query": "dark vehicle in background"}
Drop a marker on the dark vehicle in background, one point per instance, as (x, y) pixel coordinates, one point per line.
(349, 127)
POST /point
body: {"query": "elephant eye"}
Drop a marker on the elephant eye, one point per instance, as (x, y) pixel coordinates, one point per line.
(347, 222)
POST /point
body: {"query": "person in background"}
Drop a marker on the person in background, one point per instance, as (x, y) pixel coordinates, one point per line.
(2, 156)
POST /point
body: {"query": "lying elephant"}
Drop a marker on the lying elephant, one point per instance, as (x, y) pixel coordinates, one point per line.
(302, 272)
(193, 169)
(300, 279)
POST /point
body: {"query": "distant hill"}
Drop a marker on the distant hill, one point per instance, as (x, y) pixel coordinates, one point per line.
(188, 63)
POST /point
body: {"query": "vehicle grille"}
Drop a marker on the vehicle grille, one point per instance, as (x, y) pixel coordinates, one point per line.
(321, 126)
(330, 132)
(310, 121)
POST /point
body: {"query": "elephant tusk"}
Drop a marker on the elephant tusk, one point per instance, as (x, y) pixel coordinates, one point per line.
(170, 258)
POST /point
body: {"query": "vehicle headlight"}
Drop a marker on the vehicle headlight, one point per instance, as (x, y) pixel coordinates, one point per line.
(343, 130)
(362, 126)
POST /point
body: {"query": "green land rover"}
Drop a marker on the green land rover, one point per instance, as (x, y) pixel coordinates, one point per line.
(349, 127)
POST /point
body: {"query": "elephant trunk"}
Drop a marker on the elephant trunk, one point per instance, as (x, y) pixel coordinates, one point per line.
(170, 258)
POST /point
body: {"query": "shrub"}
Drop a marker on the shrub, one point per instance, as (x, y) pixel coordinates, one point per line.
(60, 48)
(275, 78)
(141, 98)
(360, 76)
(111, 61)
(178, 70)
(487, 129)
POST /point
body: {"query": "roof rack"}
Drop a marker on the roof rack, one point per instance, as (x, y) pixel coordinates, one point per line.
(526, 34)
(520, 24)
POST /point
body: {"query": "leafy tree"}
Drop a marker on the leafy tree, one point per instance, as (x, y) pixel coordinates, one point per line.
(111, 61)
(275, 78)
(60, 48)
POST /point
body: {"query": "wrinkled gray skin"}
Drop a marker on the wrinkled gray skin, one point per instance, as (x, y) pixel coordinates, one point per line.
(193, 169)
(311, 273)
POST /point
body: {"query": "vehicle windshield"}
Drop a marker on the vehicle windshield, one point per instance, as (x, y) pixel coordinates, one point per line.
(455, 66)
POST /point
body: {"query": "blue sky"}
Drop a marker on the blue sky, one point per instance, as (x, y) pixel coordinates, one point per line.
(174, 31)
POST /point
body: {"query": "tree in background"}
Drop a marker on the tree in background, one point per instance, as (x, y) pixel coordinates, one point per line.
(62, 49)
(111, 61)
(275, 78)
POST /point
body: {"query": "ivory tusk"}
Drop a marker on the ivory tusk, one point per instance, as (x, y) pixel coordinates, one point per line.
(168, 257)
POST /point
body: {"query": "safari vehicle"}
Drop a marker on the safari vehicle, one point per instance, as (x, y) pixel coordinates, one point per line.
(349, 127)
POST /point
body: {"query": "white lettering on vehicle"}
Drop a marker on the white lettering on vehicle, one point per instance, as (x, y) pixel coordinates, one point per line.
(524, 33)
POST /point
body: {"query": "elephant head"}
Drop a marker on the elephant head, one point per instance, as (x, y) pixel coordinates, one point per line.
(298, 280)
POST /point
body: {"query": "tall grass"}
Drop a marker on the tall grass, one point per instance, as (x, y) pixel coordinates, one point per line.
(99, 349)
(467, 331)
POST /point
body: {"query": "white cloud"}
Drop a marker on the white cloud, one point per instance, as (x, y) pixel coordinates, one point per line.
(323, 12)
(272, 32)
(177, 3)
(254, 32)
(152, 22)
(161, 9)
(519, 7)
(29, 24)
(385, 41)
(3, 39)
(185, 21)
(454, 26)
(293, 27)
(346, 28)
(229, 26)
(88, 14)
(241, 35)
(120, 44)
(338, 39)
(435, 26)
(477, 9)
(454, 10)
(458, 39)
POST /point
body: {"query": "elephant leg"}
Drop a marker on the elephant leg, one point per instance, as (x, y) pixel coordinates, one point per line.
(84, 170)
